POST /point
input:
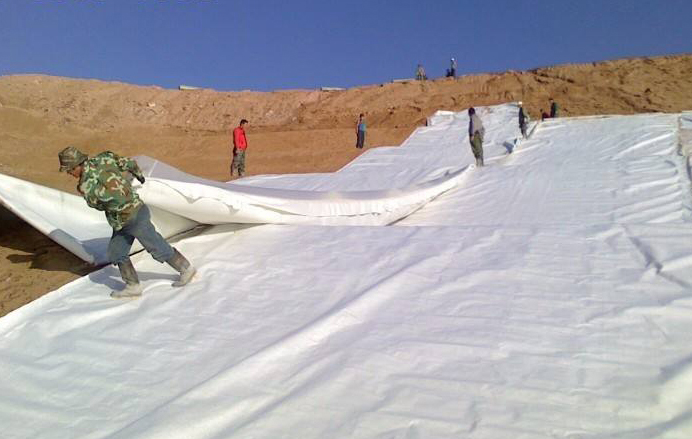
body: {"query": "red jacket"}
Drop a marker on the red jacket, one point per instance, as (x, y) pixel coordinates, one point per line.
(239, 139)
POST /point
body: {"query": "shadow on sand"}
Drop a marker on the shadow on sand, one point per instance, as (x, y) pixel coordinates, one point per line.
(36, 248)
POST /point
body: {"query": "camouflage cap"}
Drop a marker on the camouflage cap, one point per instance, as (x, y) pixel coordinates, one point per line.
(70, 158)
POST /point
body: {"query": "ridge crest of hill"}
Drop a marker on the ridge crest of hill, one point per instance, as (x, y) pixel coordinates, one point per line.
(626, 86)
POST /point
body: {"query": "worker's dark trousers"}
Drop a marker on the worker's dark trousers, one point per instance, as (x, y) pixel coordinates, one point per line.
(477, 147)
(360, 141)
(139, 227)
(238, 163)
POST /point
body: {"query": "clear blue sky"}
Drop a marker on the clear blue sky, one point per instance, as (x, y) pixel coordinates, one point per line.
(282, 44)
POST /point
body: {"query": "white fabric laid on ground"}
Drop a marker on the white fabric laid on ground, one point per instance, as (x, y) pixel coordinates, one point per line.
(624, 169)
(548, 295)
(378, 188)
(428, 154)
(368, 332)
(67, 220)
(211, 202)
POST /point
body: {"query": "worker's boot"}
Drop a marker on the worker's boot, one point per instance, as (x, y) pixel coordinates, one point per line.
(182, 266)
(132, 287)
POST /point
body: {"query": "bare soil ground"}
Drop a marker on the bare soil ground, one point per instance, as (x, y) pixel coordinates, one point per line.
(292, 131)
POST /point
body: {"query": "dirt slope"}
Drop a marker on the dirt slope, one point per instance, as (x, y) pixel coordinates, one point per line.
(290, 131)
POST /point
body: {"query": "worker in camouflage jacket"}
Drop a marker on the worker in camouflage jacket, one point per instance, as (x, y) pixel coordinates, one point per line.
(105, 185)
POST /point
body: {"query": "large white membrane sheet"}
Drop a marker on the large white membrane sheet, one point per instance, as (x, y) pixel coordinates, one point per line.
(548, 295)
(619, 169)
(67, 220)
(212, 202)
(368, 332)
(378, 188)
(429, 153)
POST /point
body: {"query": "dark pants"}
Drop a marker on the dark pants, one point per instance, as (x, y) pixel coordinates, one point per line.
(238, 162)
(477, 147)
(360, 140)
(139, 227)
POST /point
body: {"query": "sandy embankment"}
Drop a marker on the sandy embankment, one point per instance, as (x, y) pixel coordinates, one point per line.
(291, 131)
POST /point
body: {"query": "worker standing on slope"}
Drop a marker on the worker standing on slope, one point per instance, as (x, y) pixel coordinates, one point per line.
(239, 148)
(476, 132)
(360, 131)
(523, 119)
(105, 186)
(553, 108)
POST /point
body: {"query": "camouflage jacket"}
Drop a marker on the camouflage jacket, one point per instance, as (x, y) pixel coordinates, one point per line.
(105, 186)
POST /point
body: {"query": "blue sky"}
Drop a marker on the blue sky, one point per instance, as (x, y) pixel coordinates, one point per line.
(273, 44)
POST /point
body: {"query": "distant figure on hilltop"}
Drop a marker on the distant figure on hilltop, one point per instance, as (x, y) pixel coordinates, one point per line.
(553, 108)
(360, 131)
(523, 119)
(452, 72)
(239, 148)
(420, 73)
(476, 133)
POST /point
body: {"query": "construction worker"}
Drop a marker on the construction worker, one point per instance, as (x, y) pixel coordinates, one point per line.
(523, 119)
(553, 108)
(239, 148)
(105, 185)
(360, 131)
(453, 68)
(476, 132)
(420, 73)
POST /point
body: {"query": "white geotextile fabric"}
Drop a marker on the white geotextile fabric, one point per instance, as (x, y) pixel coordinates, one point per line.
(368, 332)
(431, 152)
(211, 202)
(67, 219)
(548, 295)
(380, 187)
(591, 170)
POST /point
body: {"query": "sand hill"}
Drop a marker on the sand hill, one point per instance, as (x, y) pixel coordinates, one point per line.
(290, 131)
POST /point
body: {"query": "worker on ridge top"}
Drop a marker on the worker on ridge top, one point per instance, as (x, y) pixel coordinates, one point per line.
(452, 71)
(420, 73)
(105, 186)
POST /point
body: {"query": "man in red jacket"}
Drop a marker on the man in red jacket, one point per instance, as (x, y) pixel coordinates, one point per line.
(239, 147)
